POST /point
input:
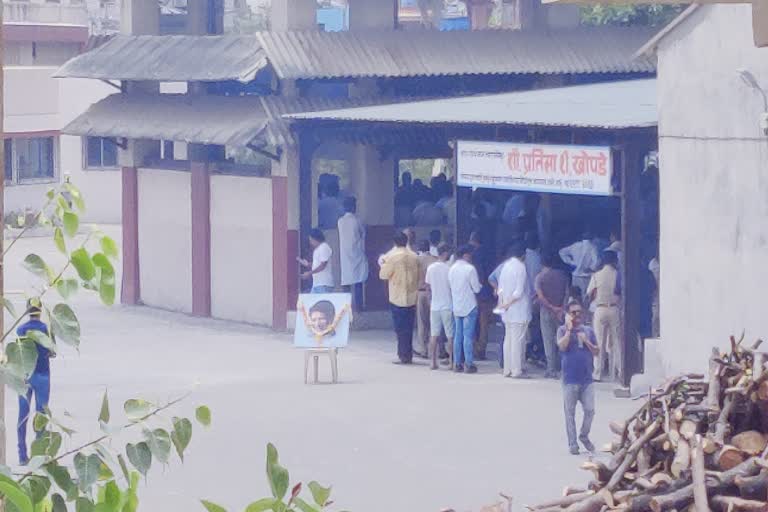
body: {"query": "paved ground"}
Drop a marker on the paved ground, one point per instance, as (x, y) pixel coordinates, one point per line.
(388, 438)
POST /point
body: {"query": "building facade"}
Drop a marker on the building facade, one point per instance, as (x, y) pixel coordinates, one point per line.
(39, 36)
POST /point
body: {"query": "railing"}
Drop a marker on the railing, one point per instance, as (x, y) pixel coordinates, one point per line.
(44, 13)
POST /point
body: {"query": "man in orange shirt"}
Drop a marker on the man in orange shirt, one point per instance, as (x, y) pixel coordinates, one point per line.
(400, 268)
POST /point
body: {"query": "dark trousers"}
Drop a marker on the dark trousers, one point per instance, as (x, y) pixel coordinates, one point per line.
(357, 296)
(403, 320)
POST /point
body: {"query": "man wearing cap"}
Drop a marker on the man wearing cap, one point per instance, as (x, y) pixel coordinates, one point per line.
(39, 383)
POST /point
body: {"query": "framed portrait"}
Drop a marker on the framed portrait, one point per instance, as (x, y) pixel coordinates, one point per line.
(323, 320)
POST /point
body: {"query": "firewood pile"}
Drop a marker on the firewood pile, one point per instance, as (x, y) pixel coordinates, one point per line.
(698, 443)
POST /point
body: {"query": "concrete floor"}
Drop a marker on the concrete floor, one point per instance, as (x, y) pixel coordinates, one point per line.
(387, 438)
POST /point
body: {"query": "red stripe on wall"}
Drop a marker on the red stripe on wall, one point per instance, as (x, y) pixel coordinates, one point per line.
(280, 260)
(201, 239)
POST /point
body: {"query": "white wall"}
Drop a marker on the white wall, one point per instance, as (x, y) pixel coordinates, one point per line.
(241, 249)
(713, 185)
(165, 239)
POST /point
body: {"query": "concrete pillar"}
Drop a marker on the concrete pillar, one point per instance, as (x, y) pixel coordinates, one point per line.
(372, 14)
(293, 15)
(285, 241)
(201, 238)
(205, 17)
(139, 17)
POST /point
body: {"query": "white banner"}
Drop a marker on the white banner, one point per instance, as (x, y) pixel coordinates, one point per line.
(584, 170)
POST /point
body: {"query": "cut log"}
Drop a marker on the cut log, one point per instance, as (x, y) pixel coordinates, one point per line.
(682, 460)
(751, 442)
(729, 457)
(753, 487)
(688, 429)
(722, 426)
(732, 503)
(709, 446)
(661, 478)
(699, 479)
(564, 501)
(713, 394)
(617, 459)
(598, 469)
(568, 490)
(762, 390)
(677, 500)
(617, 427)
(629, 460)
(643, 460)
(757, 366)
(592, 504)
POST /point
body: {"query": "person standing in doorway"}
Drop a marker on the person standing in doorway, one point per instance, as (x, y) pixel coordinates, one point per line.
(441, 314)
(515, 308)
(354, 264)
(423, 301)
(577, 345)
(483, 261)
(582, 256)
(320, 271)
(655, 269)
(39, 383)
(400, 268)
(464, 284)
(602, 292)
(435, 237)
(551, 287)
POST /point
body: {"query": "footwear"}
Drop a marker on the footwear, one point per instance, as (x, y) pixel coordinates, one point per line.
(445, 362)
(421, 355)
(574, 450)
(433, 367)
(472, 369)
(481, 357)
(587, 444)
(458, 369)
(400, 361)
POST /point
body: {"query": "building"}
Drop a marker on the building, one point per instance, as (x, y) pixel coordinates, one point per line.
(713, 154)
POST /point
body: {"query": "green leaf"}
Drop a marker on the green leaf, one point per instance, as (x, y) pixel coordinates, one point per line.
(81, 260)
(40, 422)
(8, 305)
(61, 476)
(16, 382)
(104, 413)
(203, 415)
(84, 505)
(181, 435)
(58, 239)
(320, 494)
(304, 506)
(261, 505)
(38, 487)
(87, 468)
(65, 325)
(112, 498)
(71, 223)
(124, 467)
(276, 474)
(15, 494)
(59, 505)
(22, 357)
(159, 442)
(212, 507)
(50, 193)
(106, 278)
(37, 266)
(140, 456)
(55, 444)
(136, 408)
(66, 287)
(109, 247)
(41, 339)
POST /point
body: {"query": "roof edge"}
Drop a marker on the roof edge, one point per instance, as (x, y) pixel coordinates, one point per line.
(650, 47)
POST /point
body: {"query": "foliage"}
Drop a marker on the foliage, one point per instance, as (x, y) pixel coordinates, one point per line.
(651, 15)
(282, 500)
(95, 476)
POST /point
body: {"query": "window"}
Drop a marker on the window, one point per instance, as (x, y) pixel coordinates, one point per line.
(100, 152)
(30, 159)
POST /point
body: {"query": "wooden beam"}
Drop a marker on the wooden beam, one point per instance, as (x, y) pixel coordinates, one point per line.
(760, 22)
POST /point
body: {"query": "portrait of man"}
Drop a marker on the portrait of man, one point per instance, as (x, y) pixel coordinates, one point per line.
(323, 320)
(321, 316)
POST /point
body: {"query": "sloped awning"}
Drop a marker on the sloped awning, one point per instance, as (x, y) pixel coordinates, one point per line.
(609, 105)
(170, 59)
(224, 120)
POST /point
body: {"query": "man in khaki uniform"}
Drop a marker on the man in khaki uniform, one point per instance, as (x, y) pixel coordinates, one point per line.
(424, 299)
(603, 292)
(400, 268)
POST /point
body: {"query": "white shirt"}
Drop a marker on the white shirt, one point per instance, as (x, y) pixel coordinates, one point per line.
(433, 251)
(437, 279)
(354, 264)
(464, 285)
(513, 285)
(582, 256)
(320, 255)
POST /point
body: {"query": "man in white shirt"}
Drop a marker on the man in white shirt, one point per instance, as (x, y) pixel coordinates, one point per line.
(584, 259)
(435, 237)
(320, 269)
(515, 304)
(441, 315)
(465, 284)
(354, 264)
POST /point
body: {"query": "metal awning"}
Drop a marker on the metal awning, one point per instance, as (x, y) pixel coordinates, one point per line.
(609, 105)
(225, 120)
(170, 59)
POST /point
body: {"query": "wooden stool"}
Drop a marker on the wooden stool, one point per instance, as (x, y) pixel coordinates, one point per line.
(315, 354)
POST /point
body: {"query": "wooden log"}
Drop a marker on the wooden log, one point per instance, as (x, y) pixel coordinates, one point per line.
(568, 490)
(598, 469)
(623, 497)
(762, 391)
(713, 394)
(592, 504)
(699, 478)
(757, 366)
(632, 454)
(682, 460)
(753, 487)
(688, 429)
(677, 500)
(751, 442)
(709, 446)
(617, 459)
(563, 501)
(733, 503)
(729, 457)
(617, 427)
(644, 459)
(722, 425)
(661, 478)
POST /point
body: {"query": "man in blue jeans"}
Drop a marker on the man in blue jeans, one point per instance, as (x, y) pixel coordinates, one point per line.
(578, 347)
(465, 285)
(40, 380)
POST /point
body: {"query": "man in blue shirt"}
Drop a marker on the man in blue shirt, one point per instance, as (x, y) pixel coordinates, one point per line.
(578, 347)
(40, 380)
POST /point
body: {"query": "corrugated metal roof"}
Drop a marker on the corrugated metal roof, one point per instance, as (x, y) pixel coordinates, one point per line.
(314, 54)
(226, 120)
(169, 59)
(296, 55)
(615, 105)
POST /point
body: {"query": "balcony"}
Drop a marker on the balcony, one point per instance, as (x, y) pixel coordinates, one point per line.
(50, 13)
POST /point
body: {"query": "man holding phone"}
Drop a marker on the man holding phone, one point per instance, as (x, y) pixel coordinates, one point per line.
(578, 347)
